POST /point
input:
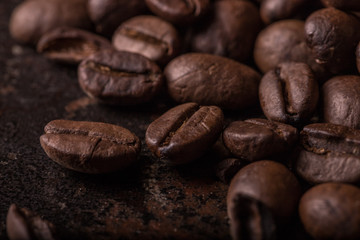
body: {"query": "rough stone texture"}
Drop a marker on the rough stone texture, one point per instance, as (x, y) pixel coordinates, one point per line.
(151, 200)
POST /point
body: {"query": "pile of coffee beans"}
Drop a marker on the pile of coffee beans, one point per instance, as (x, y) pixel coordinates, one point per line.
(298, 61)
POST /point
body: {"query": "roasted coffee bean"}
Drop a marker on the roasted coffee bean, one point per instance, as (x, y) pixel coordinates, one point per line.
(331, 154)
(289, 93)
(350, 5)
(331, 211)
(121, 78)
(254, 139)
(332, 36)
(70, 45)
(109, 14)
(262, 197)
(90, 147)
(212, 80)
(31, 19)
(185, 132)
(23, 224)
(341, 101)
(227, 168)
(284, 41)
(358, 57)
(148, 35)
(229, 31)
(178, 11)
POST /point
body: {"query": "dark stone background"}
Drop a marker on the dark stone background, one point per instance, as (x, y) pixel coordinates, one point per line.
(151, 200)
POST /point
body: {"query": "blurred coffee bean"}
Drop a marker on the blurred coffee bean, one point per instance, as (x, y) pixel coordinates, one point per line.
(212, 80)
(70, 45)
(349, 5)
(341, 100)
(149, 36)
(229, 30)
(227, 168)
(31, 19)
(331, 154)
(331, 211)
(289, 93)
(333, 36)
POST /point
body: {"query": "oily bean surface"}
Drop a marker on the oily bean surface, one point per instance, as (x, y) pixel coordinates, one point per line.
(185, 132)
(90, 147)
(120, 78)
(212, 80)
(331, 211)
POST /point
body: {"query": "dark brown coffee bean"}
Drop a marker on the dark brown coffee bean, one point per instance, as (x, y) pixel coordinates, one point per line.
(350, 5)
(273, 186)
(121, 78)
(212, 80)
(147, 35)
(358, 57)
(109, 14)
(70, 45)
(332, 36)
(23, 224)
(254, 139)
(331, 154)
(185, 132)
(31, 19)
(229, 31)
(331, 211)
(227, 168)
(341, 101)
(90, 147)
(178, 11)
(289, 93)
(284, 41)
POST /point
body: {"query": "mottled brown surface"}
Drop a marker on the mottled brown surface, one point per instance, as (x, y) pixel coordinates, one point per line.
(152, 200)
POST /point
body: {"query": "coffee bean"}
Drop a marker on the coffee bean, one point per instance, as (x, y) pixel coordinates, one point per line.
(331, 211)
(212, 80)
(31, 19)
(332, 36)
(262, 197)
(90, 147)
(230, 30)
(227, 168)
(121, 78)
(284, 41)
(148, 35)
(331, 154)
(358, 57)
(178, 11)
(185, 132)
(350, 5)
(107, 15)
(23, 224)
(254, 139)
(70, 45)
(289, 93)
(341, 101)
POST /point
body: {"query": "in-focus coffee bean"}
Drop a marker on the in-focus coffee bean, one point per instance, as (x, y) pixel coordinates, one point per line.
(333, 36)
(181, 12)
(90, 147)
(254, 139)
(289, 93)
(23, 224)
(107, 15)
(212, 80)
(262, 197)
(331, 154)
(341, 100)
(121, 78)
(31, 19)
(227, 168)
(70, 45)
(229, 30)
(185, 132)
(150, 36)
(331, 211)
